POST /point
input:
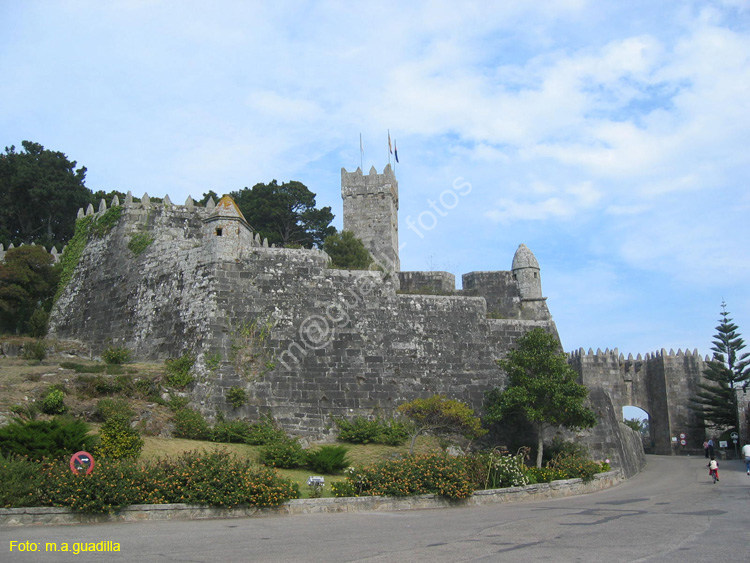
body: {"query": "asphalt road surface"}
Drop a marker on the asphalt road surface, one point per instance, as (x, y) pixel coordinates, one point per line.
(670, 512)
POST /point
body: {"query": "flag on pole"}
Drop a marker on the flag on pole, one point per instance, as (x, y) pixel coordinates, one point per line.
(361, 148)
(395, 151)
(390, 150)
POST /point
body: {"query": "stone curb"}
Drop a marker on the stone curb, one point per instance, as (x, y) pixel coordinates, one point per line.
(51, 515)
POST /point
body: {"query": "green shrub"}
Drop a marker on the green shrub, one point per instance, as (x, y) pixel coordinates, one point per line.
(54, 402)
(412, 475)
(574, 466)
(39, 439)
(286, 454)
(264, 432)
(37, 325)
(327, 459)
(232, 431)
(236, 396)
(190, 424)
(361, 430)
(178, 371)
(21, 482)
(118, 440)
(107, 408)
(36, 350)
(116, 355)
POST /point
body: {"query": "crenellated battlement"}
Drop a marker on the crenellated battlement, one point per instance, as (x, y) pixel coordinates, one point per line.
(146, 203)
(608, 355)
(53, 252)
(357, 184)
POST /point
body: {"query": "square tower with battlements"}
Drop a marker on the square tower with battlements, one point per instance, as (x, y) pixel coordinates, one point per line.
(371, 212)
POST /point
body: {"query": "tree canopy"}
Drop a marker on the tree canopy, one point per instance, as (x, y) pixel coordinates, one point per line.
(285, 214)
(347, 251)
(442, 416)
(40, 193)
(716, 402)
(28, 280)
(542, 388)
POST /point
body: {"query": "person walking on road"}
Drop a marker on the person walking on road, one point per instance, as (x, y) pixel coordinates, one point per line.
(705, 449)
(746, 455)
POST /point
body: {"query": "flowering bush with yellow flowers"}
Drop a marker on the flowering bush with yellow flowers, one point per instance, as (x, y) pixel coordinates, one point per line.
(411, 475)
(203, 478)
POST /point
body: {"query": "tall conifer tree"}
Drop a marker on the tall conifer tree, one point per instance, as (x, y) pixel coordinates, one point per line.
(728, 370)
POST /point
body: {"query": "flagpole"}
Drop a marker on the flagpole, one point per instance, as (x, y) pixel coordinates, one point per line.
(361, 153)
(389, 146)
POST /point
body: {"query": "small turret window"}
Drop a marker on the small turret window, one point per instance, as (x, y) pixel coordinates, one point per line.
(218, 232)
(536, 275)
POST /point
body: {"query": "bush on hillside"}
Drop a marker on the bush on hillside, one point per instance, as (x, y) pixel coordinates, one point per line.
(361, 430)
(190, 424)
(51, 439)
(286, 454)
(54, 402)
(327, 459)
(21, 482)
(118, 440)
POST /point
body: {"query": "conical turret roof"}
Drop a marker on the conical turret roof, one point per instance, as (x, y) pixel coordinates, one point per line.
(524, 258)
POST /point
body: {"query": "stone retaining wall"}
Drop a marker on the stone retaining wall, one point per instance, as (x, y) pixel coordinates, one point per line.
(141, 512)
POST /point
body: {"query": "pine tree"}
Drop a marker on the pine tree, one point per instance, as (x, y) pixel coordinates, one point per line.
(728, 370)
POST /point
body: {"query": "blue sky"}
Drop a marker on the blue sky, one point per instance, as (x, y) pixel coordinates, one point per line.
(609, 137)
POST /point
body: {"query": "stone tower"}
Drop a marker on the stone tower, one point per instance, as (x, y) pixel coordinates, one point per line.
(528, 277)
(371, 212)
(227, 234)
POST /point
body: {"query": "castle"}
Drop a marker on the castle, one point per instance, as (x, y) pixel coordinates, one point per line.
(308, 342)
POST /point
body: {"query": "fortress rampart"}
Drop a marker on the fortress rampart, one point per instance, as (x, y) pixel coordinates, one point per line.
(308, 342)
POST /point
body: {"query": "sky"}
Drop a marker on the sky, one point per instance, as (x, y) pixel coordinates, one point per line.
(609, 137)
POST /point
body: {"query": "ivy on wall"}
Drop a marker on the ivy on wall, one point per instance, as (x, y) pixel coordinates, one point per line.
(85, 228)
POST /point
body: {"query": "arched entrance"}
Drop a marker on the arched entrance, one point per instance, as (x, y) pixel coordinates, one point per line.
(640, 421)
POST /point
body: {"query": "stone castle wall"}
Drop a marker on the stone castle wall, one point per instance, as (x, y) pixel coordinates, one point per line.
(660, 383)
(306, 341)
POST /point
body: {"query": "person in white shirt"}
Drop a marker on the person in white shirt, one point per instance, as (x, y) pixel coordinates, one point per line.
(713, 469)
(746, 454)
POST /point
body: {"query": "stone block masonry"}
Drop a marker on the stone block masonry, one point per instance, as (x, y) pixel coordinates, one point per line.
(305, 341)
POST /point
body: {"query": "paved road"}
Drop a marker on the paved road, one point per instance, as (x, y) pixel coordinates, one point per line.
(669, 512)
